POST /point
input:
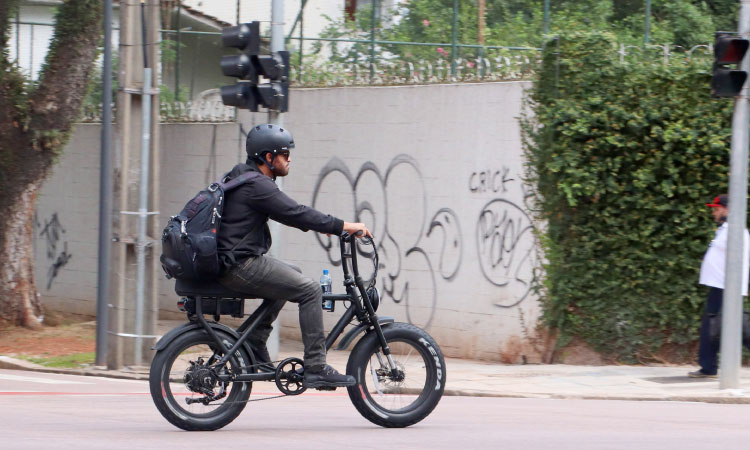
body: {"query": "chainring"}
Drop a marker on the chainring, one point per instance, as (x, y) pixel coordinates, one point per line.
(289, 376)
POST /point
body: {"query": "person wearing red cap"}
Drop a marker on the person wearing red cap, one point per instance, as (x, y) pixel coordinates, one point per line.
(712, 275)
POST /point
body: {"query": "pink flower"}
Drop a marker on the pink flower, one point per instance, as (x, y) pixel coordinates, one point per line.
(426, 23)
(470, 64)
(440, 50)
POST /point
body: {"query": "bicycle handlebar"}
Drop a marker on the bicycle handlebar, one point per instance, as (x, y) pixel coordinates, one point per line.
(345, 238)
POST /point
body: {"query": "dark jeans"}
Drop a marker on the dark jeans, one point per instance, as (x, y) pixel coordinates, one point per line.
(708, 348)
(273, 280)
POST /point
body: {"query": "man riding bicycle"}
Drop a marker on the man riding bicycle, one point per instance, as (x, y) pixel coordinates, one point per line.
(244, 239)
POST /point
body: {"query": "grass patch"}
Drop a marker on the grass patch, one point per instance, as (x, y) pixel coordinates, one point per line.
(73, 361)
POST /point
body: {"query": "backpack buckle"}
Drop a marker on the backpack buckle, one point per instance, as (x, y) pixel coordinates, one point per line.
(213, 187)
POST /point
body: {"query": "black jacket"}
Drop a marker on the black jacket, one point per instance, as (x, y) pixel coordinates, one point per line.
(247, 209)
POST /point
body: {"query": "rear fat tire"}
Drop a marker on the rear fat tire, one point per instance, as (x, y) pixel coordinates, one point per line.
(423, 350)
(173, 407)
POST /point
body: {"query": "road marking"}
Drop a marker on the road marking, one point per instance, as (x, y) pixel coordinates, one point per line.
(74, 394)
(38, 380)
(123, 394)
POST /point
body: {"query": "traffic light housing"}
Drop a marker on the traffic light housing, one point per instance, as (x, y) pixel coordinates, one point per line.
(251, 67)
(728, 49)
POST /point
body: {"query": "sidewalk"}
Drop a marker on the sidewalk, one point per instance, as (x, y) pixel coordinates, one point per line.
(479, 378)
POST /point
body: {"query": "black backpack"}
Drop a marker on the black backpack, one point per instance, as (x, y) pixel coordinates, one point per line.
(188, 241)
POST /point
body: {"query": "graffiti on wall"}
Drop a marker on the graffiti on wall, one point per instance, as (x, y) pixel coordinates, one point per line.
(505, 248)
(51, 234)
(394, 204)
(490, 181)
(420, 245)
(505, 239)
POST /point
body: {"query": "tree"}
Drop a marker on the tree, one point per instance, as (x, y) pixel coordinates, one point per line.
(35, 123)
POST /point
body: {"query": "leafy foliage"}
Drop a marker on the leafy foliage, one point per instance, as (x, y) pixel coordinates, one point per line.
(517, 23)
(624, 156)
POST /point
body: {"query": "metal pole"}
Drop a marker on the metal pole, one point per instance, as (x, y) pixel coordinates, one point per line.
(546, 16)
(277, 44)
(31, 51)
(141, 242)
(647, 31)
(731, 321)
(372, 40)
(301, 40)
(177, 50)
(480, 24)
(140, 246)
(455, 38)
(298, 19)
(18, 39)
(105, 195)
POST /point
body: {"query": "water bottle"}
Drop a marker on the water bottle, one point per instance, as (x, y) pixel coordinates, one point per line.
(325, 285)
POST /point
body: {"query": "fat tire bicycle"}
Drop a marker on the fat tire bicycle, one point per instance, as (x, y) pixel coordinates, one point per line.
(202, 373)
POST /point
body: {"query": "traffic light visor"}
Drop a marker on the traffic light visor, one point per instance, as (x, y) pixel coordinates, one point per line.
(727, 83)
(236, 66)
(245, 36)
(729, 50)
(236, 95)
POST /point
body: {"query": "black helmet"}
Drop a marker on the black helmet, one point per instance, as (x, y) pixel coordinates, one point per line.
(267, 138)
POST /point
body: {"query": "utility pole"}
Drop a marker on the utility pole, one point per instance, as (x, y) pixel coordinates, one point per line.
(731, 326)
(133, 307)
(277, 118)
(105, 196)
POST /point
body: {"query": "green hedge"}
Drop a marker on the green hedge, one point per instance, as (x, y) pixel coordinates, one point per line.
(624, 156)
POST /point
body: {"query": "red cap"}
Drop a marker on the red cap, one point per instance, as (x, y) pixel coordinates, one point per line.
(720, 200)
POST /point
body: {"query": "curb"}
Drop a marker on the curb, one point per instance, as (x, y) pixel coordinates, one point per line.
(10, 363)
(6, 362)
(677, 398)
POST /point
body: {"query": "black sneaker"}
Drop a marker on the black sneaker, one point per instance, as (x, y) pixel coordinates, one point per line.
(262, 358)
(701, 374)
(326, 377)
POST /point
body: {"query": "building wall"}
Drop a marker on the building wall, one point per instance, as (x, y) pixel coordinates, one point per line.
(435, 171)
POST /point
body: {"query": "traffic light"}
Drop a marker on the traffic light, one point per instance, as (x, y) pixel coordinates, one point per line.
(728, 49)
(250, 67)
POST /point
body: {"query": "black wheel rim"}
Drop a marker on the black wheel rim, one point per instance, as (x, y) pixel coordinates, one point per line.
(177, 392)
(397, 396)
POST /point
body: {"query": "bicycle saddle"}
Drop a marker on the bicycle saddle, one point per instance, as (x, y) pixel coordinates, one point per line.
(206, 289)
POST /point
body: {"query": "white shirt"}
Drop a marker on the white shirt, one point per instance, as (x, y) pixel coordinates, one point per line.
(715, 259)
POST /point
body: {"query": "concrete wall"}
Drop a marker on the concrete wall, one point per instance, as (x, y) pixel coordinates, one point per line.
(435, 171)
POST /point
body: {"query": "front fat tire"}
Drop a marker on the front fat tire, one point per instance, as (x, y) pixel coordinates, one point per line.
(173, 407)
(413, 348)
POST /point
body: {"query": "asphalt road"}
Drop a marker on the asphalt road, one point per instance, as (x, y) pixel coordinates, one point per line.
(50, 411)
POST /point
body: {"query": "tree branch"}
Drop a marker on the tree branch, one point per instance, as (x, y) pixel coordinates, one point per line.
(56, 102)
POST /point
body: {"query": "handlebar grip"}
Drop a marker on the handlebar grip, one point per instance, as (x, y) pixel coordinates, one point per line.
(346, 235)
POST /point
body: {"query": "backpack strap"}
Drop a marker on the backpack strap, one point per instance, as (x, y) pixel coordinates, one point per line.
(229, 185)
(233, 183)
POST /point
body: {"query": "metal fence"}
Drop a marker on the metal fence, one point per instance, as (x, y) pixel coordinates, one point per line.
(189, 73)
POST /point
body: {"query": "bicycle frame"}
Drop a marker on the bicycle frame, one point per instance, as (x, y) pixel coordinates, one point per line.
(363, 311)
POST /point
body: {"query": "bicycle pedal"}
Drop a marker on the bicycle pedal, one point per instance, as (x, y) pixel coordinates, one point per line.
(326, 388)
